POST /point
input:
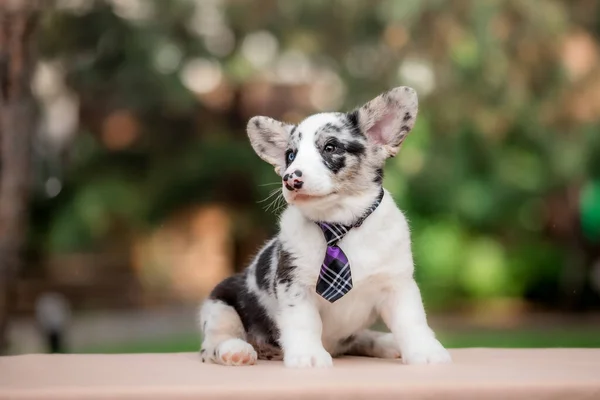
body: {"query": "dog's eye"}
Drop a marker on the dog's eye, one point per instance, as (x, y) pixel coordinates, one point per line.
(329, 148)
(290, 156)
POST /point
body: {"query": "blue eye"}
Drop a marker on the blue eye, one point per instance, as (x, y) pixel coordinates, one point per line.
(290, 156)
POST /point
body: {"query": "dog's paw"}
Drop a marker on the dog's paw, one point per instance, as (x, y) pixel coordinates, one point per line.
(385, 346)
(425, 351)
(234, 352)
(317, 357)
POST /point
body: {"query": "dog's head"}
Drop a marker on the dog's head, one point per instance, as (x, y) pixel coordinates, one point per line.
(329, 157)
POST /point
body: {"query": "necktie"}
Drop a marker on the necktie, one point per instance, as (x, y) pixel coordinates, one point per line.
(335, 277)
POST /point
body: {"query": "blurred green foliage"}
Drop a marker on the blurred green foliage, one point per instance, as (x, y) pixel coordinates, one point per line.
(580, 337)
(497, 139)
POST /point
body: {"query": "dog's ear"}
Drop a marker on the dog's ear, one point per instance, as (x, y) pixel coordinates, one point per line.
(387, 119)
(269, 139)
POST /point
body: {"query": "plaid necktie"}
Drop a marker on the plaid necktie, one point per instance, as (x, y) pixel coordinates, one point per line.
(335, 278)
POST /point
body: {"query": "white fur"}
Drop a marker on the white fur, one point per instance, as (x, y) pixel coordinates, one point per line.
(227, 336)
(382, 272)
(310, 328)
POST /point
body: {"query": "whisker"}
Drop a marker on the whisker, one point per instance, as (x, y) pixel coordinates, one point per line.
(275, 199)
(271, 194)
(276, 204)
(272, 203)
(279, 209)
(272, 183)
(281, 205)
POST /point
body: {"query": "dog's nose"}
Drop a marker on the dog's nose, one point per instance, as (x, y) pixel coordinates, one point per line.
(293, 180)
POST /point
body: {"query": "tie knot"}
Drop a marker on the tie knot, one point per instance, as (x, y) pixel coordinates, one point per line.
(333, 232)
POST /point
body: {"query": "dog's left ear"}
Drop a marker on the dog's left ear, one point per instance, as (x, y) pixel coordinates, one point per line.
(269, 139)
(387, 119)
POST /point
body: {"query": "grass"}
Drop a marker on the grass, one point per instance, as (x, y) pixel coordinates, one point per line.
(588, 338)
(522, 338)
(176, 344)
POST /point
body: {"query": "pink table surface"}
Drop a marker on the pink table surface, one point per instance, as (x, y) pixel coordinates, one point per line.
(475, 374)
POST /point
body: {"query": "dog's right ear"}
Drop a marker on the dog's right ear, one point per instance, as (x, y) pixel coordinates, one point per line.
(387, 119)
(269, 139)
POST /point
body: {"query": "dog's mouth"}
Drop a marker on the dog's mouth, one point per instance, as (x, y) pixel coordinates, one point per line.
(304, 197)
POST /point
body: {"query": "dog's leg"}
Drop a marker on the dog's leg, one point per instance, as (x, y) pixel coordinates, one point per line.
(224, 337)
(402, 310)
(301, 327)
(368, 343)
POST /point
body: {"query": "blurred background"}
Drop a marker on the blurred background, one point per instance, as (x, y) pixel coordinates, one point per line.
(123, 130)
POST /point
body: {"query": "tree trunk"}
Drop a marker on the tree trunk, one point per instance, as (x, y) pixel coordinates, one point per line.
(17, 126)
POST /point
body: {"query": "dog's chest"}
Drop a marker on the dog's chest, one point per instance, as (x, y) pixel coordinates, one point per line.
(378, 252)
(356, 310)
(373, 269)
(370, 252)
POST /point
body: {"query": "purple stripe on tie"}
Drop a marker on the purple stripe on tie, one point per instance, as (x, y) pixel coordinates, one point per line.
(334, 253)
(324, 225)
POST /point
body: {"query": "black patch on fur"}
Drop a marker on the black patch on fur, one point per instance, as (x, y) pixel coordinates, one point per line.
(334, 162)
(406, 116)
(362, 346)
(378, 176)
(386, 96)
(273, 280)
(403, 131)
(355, 147)
(226, 290)
(233, 292)
(329, 127)
(257, 123)
(353, 124)
(285, 267)
(263, 267)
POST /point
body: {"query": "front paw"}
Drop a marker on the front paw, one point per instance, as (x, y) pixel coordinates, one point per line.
(307, 358)
(425, 351)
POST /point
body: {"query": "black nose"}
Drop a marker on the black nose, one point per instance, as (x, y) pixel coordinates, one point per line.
(293, 180)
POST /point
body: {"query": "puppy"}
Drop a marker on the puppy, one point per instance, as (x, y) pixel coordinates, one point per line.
(342, 256)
